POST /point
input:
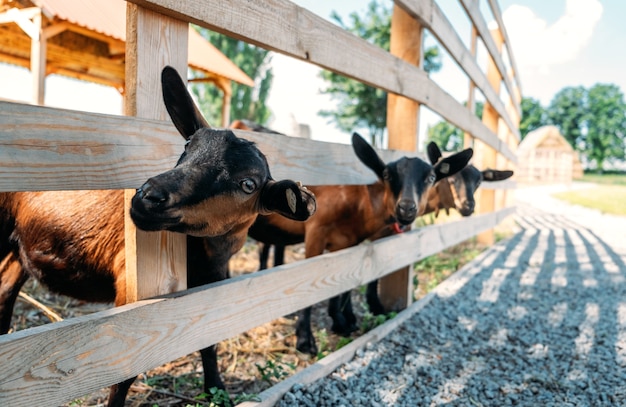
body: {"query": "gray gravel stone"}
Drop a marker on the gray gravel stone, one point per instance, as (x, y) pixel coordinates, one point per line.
(541, 320)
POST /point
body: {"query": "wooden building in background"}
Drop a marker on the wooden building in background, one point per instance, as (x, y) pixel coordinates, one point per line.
(86, 39)
(544, 156)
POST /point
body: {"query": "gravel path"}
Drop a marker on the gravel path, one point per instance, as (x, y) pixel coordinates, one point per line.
(537, 320)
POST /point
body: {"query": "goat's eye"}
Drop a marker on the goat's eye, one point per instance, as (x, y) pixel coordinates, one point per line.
(248, 186)
(431, 178)
(386, 175)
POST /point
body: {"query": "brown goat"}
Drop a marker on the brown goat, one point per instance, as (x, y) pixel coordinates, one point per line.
(74, 241)
(453, 192)
(349, 214)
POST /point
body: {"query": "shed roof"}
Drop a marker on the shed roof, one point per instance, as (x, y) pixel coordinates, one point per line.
(543, 137)
(108, 18)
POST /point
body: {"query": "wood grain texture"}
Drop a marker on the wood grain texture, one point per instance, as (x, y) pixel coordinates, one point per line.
(472, 8)
(55, 149)
(156, 262)
(51, 364)
(44, 148)
(282, 26)
(436, 22)
(497, 14)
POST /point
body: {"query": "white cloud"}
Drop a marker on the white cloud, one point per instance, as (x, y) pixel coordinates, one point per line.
(539, 46)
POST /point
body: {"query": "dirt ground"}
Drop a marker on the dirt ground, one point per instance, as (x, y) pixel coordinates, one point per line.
(250, 362)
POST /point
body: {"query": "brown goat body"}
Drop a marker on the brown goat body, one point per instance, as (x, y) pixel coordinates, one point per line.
(73, 241)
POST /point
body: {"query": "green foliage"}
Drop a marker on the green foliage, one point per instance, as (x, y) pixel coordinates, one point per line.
(568, 111)
(533, 116)
(220, 398)
(321, 337)
(371, 321)
(274, 371)
(360, 105)
(246, 102)
(592, 120)
(343, 342)
(447, 136)
(617, 178)
(606, 124)
(432, 270)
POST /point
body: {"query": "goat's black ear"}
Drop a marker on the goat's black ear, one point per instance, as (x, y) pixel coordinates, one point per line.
(434, 153)
(289, 199)
(367, 155)
(496, 175)
(452, 164)
(179, 104)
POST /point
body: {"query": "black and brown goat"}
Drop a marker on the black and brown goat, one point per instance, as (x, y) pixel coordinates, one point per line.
(349, 214)
(73, 242)
(454, 192)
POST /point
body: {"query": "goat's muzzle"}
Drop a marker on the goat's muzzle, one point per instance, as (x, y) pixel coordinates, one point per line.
(406, 211)
(149, 208)
(467, 208)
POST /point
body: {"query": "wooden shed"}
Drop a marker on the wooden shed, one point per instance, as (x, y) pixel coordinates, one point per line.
(544, 156)
(87, 39)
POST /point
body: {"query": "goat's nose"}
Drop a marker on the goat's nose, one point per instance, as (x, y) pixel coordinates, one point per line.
(152, 193)
(407, 208)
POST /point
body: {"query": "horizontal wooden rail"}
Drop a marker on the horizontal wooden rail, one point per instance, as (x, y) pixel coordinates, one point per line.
(472, 8)
(44, 148)
(292, 30)
(432, 18)
(52, 364)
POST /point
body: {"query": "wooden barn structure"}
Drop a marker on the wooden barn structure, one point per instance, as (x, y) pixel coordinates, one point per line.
(87, 40)
(545, 156)
(55, 149)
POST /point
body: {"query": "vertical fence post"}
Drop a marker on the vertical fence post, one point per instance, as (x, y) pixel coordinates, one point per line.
(156, 262)
(396, 289)
(486, 156)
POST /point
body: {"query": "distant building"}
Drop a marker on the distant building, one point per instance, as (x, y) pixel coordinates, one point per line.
(544, 156)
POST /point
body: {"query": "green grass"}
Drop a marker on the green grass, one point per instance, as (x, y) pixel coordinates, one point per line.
(606, 198)
(434, 269)
(610, 179)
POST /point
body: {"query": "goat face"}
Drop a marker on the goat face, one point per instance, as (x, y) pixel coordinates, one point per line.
(461, 187)
(220, 183)
(408, 180)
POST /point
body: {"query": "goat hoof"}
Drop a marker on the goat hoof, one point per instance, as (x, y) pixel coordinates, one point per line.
(377, 309)
(307, 345)
(344, 329)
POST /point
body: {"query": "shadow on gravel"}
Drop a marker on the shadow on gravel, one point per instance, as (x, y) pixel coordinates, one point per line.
(539, 320)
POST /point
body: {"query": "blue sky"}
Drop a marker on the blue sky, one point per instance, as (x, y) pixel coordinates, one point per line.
(557, 43)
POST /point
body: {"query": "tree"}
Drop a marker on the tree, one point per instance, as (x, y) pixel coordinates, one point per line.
(606, 124)
(246, 102)
(360, 105)
(592, 121)
(447, 136)
(568, 111)
(533, 116)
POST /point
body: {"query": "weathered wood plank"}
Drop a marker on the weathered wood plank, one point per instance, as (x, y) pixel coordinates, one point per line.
(292, 30)
(156, 262)
(497, 13)
(433, 19)
(472, 8)
(51, 364)
(45, 148)
(403, 130)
